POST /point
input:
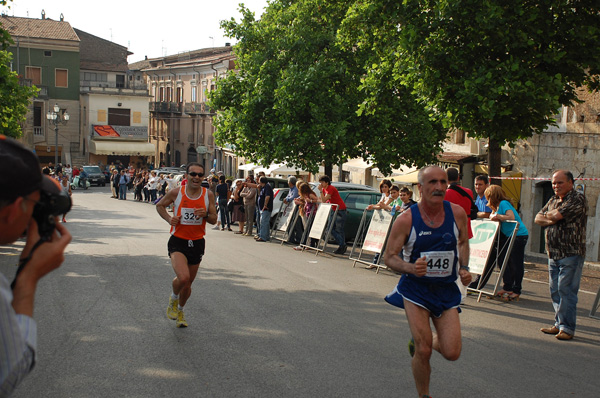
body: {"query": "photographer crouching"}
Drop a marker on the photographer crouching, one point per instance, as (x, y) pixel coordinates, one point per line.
(28, 202)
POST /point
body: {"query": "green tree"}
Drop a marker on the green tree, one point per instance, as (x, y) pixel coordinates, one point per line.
(295, 96)
(14, 97)
(497, 69)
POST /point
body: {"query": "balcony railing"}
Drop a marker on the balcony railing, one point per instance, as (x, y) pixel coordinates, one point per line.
(172, 107)
(42, 90)
(196, 108)
(39, 131)
(111, 89)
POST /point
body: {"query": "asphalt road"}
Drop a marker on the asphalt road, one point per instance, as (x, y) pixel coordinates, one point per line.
(267, 321)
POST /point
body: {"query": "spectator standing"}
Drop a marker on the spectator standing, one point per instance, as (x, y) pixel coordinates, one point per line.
(565, 219)
(153, 186)
(223, 195)
(69, 172)
(329, 194)
(238, 207)
(123, 182)
(265, 204)
(406, 199)
(483, 211)
(249, 196)
(481, 184)
(114, 184)
(386, 198)
(459, 195)
(309, 202)
(502, 211)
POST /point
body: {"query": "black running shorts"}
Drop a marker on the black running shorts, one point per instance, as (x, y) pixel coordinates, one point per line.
(193, 250)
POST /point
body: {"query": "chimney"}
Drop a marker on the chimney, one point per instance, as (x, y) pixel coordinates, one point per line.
(146, 58)
(227, 44)
(43, 14)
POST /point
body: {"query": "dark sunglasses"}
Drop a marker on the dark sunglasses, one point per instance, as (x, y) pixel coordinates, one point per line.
(194, 174)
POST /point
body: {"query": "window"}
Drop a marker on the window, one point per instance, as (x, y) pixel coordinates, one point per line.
(161, 94)
(95, 77)
(38, 130)
(119, 117)
(47, 53)
(61, 78)
(179, 95)
(358, 200)
(194, 93)
(34, 73)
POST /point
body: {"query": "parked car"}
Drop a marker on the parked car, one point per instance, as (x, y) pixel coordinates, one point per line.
(95, 175)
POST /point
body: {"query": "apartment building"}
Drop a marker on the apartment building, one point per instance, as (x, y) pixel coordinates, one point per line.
(114, 110)
(46, 54)
(180, 123)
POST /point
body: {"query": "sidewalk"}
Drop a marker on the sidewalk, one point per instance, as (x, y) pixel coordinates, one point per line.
(537, 269)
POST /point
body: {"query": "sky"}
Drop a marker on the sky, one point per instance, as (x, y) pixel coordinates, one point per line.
(150, 28)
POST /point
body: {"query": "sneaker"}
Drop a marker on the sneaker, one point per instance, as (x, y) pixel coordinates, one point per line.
(411, 347)
(181, 323)
(172, 308)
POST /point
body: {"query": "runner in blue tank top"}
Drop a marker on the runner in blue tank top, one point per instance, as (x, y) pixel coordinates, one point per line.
(429, 245)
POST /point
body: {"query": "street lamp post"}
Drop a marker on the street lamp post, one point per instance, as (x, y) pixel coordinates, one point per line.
(57, 116)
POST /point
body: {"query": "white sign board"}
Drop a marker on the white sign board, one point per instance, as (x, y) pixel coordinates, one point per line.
(378, 230)
(480, 245)
(320, 221)
(287, 211)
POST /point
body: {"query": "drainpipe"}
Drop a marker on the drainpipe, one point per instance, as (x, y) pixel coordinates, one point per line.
(216, 148)
(172, 130)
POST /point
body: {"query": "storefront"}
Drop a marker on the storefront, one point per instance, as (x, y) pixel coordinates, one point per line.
(126, 144)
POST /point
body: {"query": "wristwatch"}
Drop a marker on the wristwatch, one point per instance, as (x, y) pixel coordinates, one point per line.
(465, 267)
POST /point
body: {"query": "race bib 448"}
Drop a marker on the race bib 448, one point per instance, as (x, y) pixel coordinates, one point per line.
(439, 264)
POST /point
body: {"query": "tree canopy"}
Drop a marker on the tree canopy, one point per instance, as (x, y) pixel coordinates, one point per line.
(296, 96)
(496, 69)
(14, 97)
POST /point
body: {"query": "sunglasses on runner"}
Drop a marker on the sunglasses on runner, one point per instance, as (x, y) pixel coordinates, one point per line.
(194, 174)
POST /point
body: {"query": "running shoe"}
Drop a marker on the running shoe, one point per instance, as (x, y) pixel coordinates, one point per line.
(181, 323)
(172, 308)
(411, 347)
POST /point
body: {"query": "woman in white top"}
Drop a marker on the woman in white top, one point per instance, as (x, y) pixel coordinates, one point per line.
(153, 185)
(386, 198)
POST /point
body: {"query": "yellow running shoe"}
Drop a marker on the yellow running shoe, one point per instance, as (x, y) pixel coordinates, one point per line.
(172, 308)
(181, 323)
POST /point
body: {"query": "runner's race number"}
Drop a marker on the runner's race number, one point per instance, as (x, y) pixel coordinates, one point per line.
(188, 217)
(439, 264)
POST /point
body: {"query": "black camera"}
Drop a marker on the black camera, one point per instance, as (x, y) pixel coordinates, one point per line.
(47, 209)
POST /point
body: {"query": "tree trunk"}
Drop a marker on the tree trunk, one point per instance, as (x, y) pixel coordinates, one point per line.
(328, 169)
(494, 161)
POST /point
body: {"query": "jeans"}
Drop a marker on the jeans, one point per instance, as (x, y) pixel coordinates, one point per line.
(122, 191)
(224, 213)
(565, 275)
(513, 274)
(338, 228)
(265, 225)
(153, 195)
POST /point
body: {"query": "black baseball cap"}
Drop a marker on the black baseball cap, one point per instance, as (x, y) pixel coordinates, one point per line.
(20, 172)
